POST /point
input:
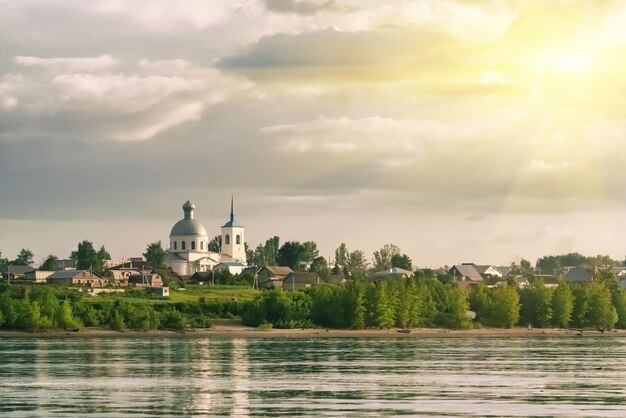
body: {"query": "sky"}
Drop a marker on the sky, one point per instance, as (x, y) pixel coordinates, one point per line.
(462, 131)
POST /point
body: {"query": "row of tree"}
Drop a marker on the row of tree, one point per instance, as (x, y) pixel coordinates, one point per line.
(420, 302)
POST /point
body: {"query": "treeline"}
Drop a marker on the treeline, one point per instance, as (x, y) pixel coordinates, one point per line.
(403, 302)
(48, 308)
(420, 302)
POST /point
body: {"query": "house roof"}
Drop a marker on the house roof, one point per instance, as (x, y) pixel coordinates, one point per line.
(302, 277)
(467, 270)
(482, 268)
(68, 274)
(336, 279)
(579, 274)
(278, 270)
(504, 269)
(19, 269)
(394, 271)
(232, 264)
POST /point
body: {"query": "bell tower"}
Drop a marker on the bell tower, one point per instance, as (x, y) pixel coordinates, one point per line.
(233, 237)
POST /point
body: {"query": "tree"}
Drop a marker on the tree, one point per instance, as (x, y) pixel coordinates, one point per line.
(155, 254)
(310, 251)
(402, 261)
(581, 306)
(101, 257)
(537, 304)
(525, 266)
(215, 245)
(292, 254)
(382, 257)
(24, 258)
(3, 263)
(479, 301)
(356, 263)
(562, 305)
(504, 307)
(320, 266)
(341, 255)
(619, 301)
(87, 258)
(266, 255)
(50, 263)
(601, 313)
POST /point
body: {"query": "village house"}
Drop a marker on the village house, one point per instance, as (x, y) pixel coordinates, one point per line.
(487, 271)
(300, 281)
(233, 267)
(120, 277)
(77, 278)
(37, 276)
(272, 276)
(17, 272)
(145, 280)
(463, 272)
(337, 279)
(580, 274)
(391, 274)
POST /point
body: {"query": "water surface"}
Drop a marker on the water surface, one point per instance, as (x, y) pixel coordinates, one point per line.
(121, 377)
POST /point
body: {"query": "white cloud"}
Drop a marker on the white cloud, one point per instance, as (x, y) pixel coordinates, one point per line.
(175, 64)
(102, 62)
(118, 91)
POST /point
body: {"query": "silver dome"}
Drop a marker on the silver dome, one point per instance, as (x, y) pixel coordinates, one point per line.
(188, 227)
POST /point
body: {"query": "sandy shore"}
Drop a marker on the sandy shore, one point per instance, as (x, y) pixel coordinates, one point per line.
(232, 328)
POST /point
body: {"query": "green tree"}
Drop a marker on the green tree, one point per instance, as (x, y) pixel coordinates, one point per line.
(101, 257)
(383, 257)
(65, 317)
(402, 261)
(562, 304)
(537, 304)
(356, 264)
(479, 301)
(155, 254)
(525, 266)
(3, 264)
(267, 254)
(581, 306)
(504, 307)
(310, 252)
(292, 254)
(601, 313)
(341, 255)
(320, 266)
(24, 258)
(86, 256)
(619, 301)
(215, 245)
(50, 263)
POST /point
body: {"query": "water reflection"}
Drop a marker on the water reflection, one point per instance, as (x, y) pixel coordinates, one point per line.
(312, 377)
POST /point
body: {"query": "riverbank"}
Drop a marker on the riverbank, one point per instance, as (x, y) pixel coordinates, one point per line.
(232, 328)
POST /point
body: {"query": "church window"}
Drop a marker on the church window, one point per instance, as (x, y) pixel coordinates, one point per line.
(227, 239)
(182, 245)
(238, 239)
(175, 246)
(193, 245)
(202, 245)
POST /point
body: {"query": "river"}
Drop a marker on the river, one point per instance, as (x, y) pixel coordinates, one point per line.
(358, 377)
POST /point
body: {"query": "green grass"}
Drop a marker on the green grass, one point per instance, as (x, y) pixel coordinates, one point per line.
(192, 293)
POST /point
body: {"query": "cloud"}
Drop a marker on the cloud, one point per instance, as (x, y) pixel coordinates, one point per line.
(103, 62)
(175, 64)
(185, 113)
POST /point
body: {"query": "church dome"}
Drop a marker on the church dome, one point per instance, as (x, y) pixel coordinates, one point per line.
(188, 225)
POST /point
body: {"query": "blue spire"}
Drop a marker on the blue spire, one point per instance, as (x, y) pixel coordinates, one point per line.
(232, 209)
(232, 222)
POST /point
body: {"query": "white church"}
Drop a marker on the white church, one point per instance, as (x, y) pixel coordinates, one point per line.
(189, 245)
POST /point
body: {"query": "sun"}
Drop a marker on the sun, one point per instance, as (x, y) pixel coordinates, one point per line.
(562, 62)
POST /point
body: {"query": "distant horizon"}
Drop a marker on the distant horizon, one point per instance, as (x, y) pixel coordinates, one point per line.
(484, 131)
